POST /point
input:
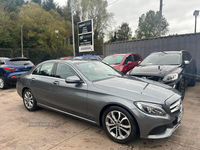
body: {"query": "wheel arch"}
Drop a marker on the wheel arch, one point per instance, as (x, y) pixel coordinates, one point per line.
(109, 105)
(25, 88)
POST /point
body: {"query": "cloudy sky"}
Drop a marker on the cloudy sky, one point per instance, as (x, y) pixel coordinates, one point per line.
(179, 13)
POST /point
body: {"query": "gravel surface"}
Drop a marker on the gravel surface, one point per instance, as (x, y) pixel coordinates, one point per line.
(44, 129)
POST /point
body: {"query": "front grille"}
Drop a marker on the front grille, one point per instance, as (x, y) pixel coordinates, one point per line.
(176, 106)
(154, 78)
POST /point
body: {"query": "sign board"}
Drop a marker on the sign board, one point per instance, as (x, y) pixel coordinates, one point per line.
(86, 42)
(85, 35)
(85, 27)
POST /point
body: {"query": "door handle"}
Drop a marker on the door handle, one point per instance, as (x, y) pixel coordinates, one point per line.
(33, 79)
(56, 83)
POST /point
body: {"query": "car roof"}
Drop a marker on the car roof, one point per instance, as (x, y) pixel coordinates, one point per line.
(174, 52)
(69, 61)
(86, 56)
(123, 54)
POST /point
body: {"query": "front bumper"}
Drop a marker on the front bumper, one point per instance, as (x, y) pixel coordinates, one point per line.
(157, 127)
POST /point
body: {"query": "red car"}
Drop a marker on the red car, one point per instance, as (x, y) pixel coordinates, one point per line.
(123, 62)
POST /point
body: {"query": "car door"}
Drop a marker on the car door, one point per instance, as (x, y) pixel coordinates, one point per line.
(69, 97)
(128, 67)
(40, 82)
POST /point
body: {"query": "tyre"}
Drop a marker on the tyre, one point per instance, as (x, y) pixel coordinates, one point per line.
(193, 80)
(119, 125)
(3, 84)
(29, 100)
(181, 88)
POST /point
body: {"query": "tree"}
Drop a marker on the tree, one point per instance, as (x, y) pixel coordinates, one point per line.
(37, 1)
(12, 5)
(39, 27)
(49, 4)
(124, 32)
(148, 26)
(97, 11)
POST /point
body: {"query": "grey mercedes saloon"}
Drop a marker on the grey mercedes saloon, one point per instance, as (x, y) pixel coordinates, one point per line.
(93, 91)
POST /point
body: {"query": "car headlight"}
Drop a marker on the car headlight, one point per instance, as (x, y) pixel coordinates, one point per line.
(170, 77)
(149, 108)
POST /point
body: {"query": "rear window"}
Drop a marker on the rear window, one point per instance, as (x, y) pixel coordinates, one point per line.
(21, 62)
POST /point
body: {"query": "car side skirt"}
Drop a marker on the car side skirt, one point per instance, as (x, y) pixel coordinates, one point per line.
(54, 109)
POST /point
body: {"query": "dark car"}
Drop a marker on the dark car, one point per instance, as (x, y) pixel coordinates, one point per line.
(123, 62)
(95, 92)
(12, 68)
(175, 68)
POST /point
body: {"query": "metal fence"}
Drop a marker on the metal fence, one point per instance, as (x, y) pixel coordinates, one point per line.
(189, 42)
(35, 55)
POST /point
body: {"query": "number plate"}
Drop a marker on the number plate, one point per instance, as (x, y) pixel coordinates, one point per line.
(180, 116)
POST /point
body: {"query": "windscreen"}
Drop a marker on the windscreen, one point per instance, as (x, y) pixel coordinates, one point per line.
(162, 59)
(95, 70)
(113, 60)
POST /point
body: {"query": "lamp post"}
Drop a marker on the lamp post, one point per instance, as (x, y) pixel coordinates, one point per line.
(73, 27)
(160, 18)
(196, 13)
(22, 52)
(57, 31)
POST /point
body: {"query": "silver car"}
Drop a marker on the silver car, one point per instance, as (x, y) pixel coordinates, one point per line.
(95, 92)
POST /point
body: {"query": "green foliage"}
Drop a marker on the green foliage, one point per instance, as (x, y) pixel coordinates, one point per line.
(12, 5)
(49, 4)
(97, 11)
(39, 27)
(40, 20)
(148, 26)
(124, 32)
(37, 1)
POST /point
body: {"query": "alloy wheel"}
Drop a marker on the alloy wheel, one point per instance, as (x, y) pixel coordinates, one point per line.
(118, 125)
(28, 99)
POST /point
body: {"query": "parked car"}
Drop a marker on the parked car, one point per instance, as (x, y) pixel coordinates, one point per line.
(175, 68)
(88, 57)
(123, 62)
(93, 91)
(67, 58)
(12, 68)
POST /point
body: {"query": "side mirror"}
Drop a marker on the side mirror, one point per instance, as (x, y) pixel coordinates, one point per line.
(186, 62)
(139, 62)
(129, 63)
(73, 79)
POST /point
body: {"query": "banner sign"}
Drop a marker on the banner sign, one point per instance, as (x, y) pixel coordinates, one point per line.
(85, 35)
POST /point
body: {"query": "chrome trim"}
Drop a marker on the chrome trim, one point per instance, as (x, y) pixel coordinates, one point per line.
(176, 106)
(42, 105)
(167, 133)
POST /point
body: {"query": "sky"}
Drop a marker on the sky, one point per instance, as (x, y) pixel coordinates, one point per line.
(179, 13)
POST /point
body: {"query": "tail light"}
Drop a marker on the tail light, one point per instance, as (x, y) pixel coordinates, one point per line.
(10, 68)
(18, 78)
(13, 77)
(33, 66)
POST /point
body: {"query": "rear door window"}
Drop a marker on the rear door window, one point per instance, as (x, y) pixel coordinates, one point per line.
(44, 70)
(136, 58)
